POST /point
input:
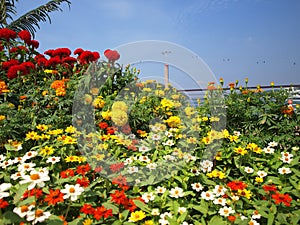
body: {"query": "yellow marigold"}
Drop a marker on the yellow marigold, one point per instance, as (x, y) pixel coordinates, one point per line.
(51, 71)
(119, 106)
(72, 158)
(245, 193)
(32, 135)
(189, 111)
(147, 89)
(60, 91)
(240, 150)
(173, 121)
(42, 127)
(136, 216)
(119, 117)
(3, 87)
(2, 117)
(106, 115)
(55, 132)
(99, 102)
(70, 129)
(46, 151)
(58, 84)
(69, 140)
(166, 103)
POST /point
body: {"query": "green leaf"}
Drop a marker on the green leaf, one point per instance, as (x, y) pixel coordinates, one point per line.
(76, 222)
(217, 220)
(114, 208)
(10, 218)
(142, 206)
(22, 188)
(55, 220)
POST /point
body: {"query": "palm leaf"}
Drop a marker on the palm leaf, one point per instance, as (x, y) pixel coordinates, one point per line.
(31, 19)
(7, 9)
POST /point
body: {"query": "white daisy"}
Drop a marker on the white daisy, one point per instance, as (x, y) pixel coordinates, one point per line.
(273, 144)
(3, 188)
(36, 178)
(176, 192)
(30, 154)
(284, 170)
(261, 174)
(197, 187)
(253, 222)
(148, 197)
(132, 169)
(2, 158)
(248, 169)
(160, 190)
(220, 201)
(168, 143)
(256, 215)
(6, 163)
(155, 212)
(144, 158)
(226, 211)
(269, 150)
(219, 190)
(128, 161)
(26, 167)
(53, 159)
(181, 210)
(72, 191)
(156, 137)
(144, 149)
(208, 195)
(38, 216)
(23, 210)
(151, 166)
(17, 175)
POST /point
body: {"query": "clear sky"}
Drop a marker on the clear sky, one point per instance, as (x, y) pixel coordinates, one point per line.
(258, 39)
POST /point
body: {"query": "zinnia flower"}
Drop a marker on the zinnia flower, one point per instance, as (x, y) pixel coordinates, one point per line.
(72, 191)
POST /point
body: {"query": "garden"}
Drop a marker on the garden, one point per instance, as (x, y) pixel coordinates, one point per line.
(84, 140)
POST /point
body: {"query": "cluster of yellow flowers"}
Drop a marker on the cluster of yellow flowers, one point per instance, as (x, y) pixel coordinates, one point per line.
(119, 113)
(60, 87)
(216, 174)
(3, 87)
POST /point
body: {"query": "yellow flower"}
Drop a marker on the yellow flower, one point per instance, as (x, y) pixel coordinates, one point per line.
(88, 99)
(240, 150)
(136, 216)
(206, 140)
(119, 105)
(159, 92)
(259, 179)
(119, 117)
(87, 221)
(173, 121)
(69, 140)
(106, 115)
(70, 129)
(32, 135)
(204, 119)
(142, 133)
(214, 119)
(245, 193)
(45, 136)
(149, 222)
(233, 138)
(215, 174)
(42, 127)
(44, 93)
(257, 150)
(175, 97)
(47, 151)
(99, 102)
(60, 91)
(147, 89)
(51, 71)
(98, 157)
(189, 111)
(143, 99)
(55, 132)
(103, 146)
(81, 159)
(72, 158)
(2, 117)
(226, 133)
(166, 103)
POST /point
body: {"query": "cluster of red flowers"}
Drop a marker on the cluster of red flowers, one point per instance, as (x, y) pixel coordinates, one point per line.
(80, 170)
(54, 196)
(276, 196)
(116, 167)
(3, 203)
(97, 213)
(236, 185)
(15, 68)
(120, 198)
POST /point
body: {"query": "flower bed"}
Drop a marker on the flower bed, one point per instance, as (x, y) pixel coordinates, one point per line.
(84, 141)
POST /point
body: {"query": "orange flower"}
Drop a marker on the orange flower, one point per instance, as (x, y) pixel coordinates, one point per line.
(231, 85)
(22, 97)
(58, 84)
(54, 197)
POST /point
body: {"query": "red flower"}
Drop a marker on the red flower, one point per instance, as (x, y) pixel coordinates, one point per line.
(49, 52)
(18, 49)
(67, 173)
(103, 125)
(110, 130)
(34, 43)
(16, 70)
(119, 180)
(102, 212)
(130, 205)
(25, 36)
(78, 51)
(268, 188)
(111, 55)
(237, 185)
(53, 62)
(98, 169)
(61, 52)
(87, 56)
(118, 197)
(54, 197)
(83, 169)
(69, 60)
(116, 167)
(7, 34)
(84, 182)
(284, 198)
(126, 129)
(231, 218)
(3, 204)
(132, 147)
(33, 192)
(28, 65)
(87, 209)
(12, 62)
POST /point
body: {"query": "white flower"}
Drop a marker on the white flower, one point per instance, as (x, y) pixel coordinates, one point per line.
(155, 212)
(286, 154)
(273, 144)
(128, 161)
(206, 165)
(151, 166)
(181, 210)
(19, 160)
(243, 217)
(144, 158)
(168, 134)
(132, 136)
(235, 197)
(17, 175)
(208, 195)
(148, 197)
(163, 222)
(2, 158)
(133, 169)
(284, 170)
(293, 148)
(4, 187)
(168, 143)
(53, 159)
(268, 150)
(30, 154)
(165, 215)
(169, 157)
(248, 169)
(255, 215)
(23, 210)
(226, 211)
(219, 190)
(253, 222)
(26, 167)
(236, 133)
(197, 187)
(261, 174)
(6, 163)
(176, 192)
(220, 201)
(144, 148)
(160, 190)
(38, 216)
(72, 191)
(195, 171)
(35, 178)
(155, 137)
(188, 157)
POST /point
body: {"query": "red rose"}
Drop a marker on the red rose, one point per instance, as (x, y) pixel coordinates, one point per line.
(111, 55)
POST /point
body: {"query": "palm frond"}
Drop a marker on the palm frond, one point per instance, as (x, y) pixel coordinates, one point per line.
(7, 10)
(30, 21)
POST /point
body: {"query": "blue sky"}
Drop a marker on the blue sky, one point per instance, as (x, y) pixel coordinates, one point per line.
(258, 39)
